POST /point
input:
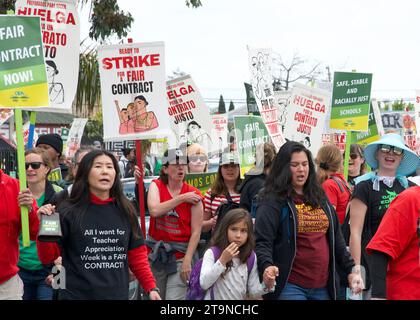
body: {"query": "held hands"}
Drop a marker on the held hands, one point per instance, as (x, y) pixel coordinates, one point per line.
(25, 198)
(190, 197)
(269, 276)
(154, 295)
(356, 283)
(229, 253)
(213, 221)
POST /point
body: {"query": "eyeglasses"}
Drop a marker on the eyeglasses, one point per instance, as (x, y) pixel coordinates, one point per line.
(196, 158)
(385, 148)
(34, 165)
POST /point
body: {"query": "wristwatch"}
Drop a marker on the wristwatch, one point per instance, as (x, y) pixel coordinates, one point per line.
(155, 289)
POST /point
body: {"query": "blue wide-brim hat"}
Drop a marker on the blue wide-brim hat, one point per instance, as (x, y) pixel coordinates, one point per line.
(409, 162)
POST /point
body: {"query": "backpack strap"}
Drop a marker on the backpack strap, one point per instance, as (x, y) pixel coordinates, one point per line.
(228, 197)
(212, 196)
(340, 184)
(250, 262)
(216, 253)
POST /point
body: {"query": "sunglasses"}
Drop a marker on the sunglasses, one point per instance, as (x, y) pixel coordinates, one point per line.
(385, 148)
(353, 156)
(34, 165)
(196, 158)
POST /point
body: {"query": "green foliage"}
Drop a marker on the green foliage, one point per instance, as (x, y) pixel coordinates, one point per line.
(410, 106)
(222, 107)
(94, 129)
(193, 3)
(88, 87)
(231, 106)
(7, 5)
(107, 19)
(400, 105)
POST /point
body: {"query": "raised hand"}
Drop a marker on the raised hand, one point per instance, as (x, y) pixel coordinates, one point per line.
(229, 253)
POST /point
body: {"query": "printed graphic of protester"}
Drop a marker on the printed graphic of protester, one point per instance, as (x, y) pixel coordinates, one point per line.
(144, 120)
(135, 117)
(124, 115)
(306, 142)
(409, 125)
(195, 134)
(260, 84)
(56, 89)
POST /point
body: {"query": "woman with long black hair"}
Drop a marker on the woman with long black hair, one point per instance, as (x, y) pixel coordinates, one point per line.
(101, 237)
(298, 237)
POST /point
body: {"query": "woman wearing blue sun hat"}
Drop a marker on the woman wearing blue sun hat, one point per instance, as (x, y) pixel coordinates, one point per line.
(391, 162)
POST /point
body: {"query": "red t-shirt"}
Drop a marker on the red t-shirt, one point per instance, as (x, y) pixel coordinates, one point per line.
(397, 237)
(175, 226)
(11, 225)
(339, 199)
(310, 267)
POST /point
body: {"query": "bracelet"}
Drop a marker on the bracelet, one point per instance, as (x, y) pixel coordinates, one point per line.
(154, 289)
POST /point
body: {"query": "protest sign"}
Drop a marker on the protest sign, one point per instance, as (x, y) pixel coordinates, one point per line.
(250, 131)
(281, 103)
(133, 91)
(260, 61)
(75, 136)
(350, 101)
(365, 137)
(409, 131)
(25, 131)
(202, 181)
(23, 81)
(61, 38)
(188, 114)
(306, 116)
(219, 132)
(55, 175)
(250, 100)
(417, 118)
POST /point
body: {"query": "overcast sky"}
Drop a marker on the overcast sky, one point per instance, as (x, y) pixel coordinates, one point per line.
(379, 37)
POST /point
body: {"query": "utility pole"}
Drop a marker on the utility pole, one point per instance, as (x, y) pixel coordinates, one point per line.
(328, 73)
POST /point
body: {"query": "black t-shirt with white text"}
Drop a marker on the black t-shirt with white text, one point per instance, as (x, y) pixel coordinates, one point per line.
(377, 202)
(95, 253)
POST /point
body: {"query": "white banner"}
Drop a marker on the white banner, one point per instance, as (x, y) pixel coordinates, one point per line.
(306, 116)
(219, 132)
(74, 139)
(378, 118)
(260, 61)
(188, 114)
(281, 102)
(61, 38)
(134, 105)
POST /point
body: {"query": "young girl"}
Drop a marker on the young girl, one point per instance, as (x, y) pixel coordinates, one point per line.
(229, 274)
